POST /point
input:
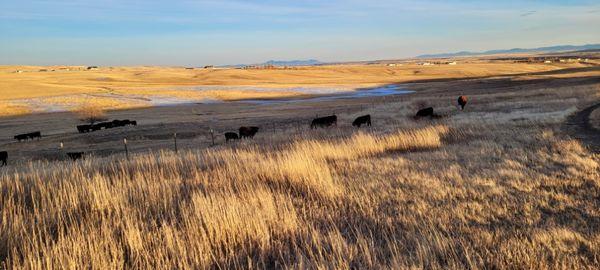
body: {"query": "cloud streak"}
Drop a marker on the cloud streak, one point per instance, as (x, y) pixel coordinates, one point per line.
(528, 13)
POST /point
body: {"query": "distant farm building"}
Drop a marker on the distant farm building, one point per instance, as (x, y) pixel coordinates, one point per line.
(453, 63)
(209, 67)
(260, 67)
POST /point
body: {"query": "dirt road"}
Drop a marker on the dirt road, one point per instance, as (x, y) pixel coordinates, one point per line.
(579, 126)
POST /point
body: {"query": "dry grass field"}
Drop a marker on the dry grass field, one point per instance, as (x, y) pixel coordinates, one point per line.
(501, 185)
(27, 89)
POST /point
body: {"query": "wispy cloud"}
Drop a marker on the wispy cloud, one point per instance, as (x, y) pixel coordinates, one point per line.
(528, 13)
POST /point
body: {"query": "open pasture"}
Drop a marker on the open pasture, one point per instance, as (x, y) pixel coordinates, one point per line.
(502, 184)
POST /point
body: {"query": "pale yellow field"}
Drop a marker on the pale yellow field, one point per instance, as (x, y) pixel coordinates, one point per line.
(497, 186)
(500, 185)
(128, 87)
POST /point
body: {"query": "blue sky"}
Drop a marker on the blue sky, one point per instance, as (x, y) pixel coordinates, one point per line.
(203, 32)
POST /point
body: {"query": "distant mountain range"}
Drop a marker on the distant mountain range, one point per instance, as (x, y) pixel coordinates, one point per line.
(551, 49)
(559, 48)
(309, 62)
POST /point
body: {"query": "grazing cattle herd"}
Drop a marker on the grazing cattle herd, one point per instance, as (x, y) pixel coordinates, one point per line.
(105, 125)
(27, 136)
(244, 131)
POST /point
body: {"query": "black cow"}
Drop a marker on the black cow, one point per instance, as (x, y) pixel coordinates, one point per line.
(3, 158)
(96, 127)
(34, 135)
(462, 101)
(122, 123)
(102, 125)
(425, 112)
(359, 121)
(84, 128)
(324, 121)
(22, 137)
(27, 136)
(130, 122)
(105, 125)
(75, 155)
(231, 136)
(119, 123)
(248, 132)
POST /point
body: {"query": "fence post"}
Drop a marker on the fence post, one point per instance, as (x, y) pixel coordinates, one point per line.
(126, 150)
(175, 139)
(61, 148)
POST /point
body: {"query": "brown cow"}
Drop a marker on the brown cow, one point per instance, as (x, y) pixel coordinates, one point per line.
(462, 101)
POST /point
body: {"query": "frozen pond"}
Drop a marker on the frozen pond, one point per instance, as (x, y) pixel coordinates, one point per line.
(318, 94)
(391, 89)
(333, 94)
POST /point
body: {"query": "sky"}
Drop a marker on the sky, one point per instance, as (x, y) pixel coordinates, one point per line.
(219, 32)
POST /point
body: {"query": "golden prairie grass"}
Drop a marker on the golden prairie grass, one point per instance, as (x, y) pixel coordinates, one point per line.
(122, 87)
(10, 109)
(216, 94)
(222, 203)
(498, 186)
(424, 197)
